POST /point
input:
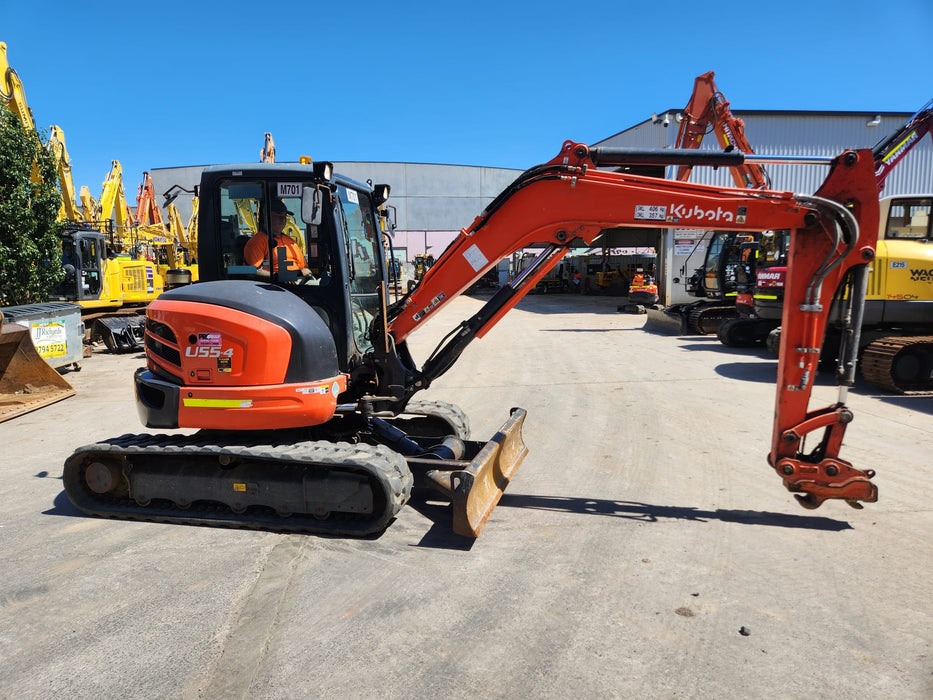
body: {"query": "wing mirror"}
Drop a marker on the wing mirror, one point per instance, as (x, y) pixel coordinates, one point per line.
(311, 206)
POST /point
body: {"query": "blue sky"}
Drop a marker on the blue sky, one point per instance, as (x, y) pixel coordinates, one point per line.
(479, 83)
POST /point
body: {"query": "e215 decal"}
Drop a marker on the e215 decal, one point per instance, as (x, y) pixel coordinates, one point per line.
(201, 351)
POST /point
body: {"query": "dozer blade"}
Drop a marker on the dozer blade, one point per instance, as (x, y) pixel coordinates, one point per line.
(669, 320)
(27, 382)
(475, 487)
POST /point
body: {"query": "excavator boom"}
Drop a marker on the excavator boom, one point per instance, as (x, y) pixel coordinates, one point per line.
(147, 209)
(12, 94)
(69, 210)
(569, 200)
(891, 150)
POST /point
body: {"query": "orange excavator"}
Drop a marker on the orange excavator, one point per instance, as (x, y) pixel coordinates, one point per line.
(707, 112)
(726, 270)
(303, 387)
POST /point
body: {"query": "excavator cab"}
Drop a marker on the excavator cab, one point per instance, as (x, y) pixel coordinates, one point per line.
(332, 229)
(83, 257)
(728, 264)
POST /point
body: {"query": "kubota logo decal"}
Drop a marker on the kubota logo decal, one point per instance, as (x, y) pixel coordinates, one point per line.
(682, 212)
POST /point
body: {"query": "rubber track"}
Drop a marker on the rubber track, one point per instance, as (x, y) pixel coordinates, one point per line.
(705, 320)
(743, 332)
(878, 363)
(387, 468)
(450, 413)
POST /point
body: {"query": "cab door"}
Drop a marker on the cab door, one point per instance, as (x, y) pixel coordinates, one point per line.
(364, 260)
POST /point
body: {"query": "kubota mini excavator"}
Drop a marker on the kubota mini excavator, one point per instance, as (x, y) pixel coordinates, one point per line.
(302, 386)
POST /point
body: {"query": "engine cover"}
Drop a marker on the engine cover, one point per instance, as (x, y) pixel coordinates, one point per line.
(237, 355)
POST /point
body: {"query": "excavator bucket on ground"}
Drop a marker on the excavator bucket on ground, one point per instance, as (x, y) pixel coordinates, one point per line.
(666, 320)
(27, 382)
(476, 483)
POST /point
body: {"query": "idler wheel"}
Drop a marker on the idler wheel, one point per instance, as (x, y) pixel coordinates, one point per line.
(102, 477)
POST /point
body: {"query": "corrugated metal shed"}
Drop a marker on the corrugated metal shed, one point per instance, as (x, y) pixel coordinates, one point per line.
(798, 133)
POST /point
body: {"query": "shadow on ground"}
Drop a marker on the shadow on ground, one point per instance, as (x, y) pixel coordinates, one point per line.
(646, 512)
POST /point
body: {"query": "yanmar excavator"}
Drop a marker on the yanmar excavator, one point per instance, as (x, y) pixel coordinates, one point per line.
(719, 280)
(302, 387)
(897, 333)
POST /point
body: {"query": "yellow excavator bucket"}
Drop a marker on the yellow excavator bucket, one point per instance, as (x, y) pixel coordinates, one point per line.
(478, 488)
(475, 485)
(27, 382)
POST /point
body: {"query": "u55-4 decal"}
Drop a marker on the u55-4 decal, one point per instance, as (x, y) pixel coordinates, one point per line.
(201, 351)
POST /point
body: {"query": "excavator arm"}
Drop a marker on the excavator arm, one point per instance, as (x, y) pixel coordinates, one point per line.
(69, 210)
(267, 154)
(147, 210)
(12, 93)
(568, 202)
(708, 110)
(112, 202)
(891, 150)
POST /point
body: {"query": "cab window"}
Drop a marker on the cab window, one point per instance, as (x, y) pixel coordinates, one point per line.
(90, 267)
(910, 218)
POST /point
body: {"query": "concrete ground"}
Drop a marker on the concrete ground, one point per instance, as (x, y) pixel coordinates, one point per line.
(645, 549)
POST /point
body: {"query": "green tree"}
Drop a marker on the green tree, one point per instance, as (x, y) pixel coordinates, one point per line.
(30, 243)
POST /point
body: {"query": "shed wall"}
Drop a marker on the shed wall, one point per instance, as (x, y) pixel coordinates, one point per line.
(800, 133)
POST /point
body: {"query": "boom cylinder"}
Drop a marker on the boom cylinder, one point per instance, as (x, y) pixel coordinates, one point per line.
(615, 156)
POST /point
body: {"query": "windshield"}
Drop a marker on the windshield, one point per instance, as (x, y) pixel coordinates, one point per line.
(248, 211)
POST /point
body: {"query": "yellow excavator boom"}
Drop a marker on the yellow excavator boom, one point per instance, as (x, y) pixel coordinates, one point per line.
(11, 91)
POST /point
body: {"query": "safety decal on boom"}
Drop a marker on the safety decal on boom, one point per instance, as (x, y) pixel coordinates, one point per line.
(430, 307)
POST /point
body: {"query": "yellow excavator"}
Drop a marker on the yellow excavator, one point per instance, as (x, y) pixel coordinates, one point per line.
(103, 273)
(27, 381)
